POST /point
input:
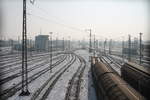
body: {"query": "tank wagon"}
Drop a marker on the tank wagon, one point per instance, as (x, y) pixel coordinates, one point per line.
(138, 77)
(109, 85)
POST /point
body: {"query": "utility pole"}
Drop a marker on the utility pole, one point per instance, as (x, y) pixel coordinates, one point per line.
(90, 41)
(18, 47)
(129, 48)
(90, 44)
(123, 49)
(100, 46)
(97, 44)
(11, 43)
(63, 44)
(69, 42)
(25, 91)
(56, 41)
(30, 46)
(140, 48)
(105, 46)
(51, 51)
(94, 45)
(1, 43)
(56, 44)
(110, 43)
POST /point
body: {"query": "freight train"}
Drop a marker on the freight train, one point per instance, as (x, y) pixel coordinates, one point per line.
(138, 77)
(109, 85)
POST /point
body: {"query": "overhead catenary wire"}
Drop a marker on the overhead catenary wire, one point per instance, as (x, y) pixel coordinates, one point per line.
(62, 23)
(52, 21)
(58, 19)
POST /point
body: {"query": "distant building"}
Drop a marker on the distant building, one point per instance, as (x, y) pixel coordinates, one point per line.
(41, 42)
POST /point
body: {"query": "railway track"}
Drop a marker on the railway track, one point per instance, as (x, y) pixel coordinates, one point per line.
(45, 89)
(111, 64)
(19, 67)
(6, 58)
(11, 56)
(17, 59)
(7, 79)
(30, 62)
(12, 90)
(118, 64)
(74, 84)
(10, 63)
(6, 55)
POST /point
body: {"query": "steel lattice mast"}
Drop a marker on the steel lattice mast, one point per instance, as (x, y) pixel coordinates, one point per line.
(24, 54)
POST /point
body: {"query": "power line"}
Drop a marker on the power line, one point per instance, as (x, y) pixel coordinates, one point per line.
(43, 10)
(52, 21)
(55, 17)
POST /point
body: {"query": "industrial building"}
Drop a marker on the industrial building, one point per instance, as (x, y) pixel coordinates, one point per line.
(41, 42)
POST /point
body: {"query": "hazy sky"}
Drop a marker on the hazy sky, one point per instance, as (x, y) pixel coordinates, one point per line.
(107, 18)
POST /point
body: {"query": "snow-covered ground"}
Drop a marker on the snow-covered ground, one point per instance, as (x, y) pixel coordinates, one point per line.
(18, 79)
(37, 83)
(87, 86)
(58, 91)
